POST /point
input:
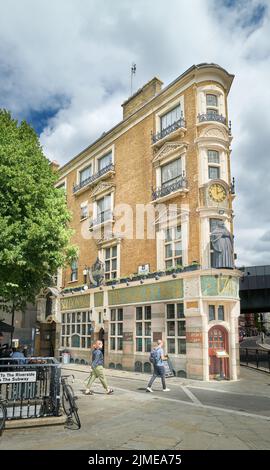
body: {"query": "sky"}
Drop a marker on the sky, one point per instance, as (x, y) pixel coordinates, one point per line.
(65, 68)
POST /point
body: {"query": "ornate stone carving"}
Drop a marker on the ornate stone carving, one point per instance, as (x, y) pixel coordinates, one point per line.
(169, 148)
(101, 188)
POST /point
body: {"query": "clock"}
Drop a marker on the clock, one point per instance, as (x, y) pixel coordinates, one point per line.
(217, 192)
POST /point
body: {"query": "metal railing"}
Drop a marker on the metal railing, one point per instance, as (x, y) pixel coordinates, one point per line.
(30, 387)
(257, 358)
(101, 218)
(180, 123)
(93, 178)
(211, 116)
(181, 183)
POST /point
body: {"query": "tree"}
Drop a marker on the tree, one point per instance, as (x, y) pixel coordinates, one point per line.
(34, 233)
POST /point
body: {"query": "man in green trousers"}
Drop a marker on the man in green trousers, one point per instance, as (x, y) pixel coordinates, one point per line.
(97, 370)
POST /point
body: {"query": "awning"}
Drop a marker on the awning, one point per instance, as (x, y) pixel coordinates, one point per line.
(5, 328)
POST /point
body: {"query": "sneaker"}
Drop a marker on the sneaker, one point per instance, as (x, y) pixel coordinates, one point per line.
(88, 392)
(166, 389)
(149, 389)
(110, 391)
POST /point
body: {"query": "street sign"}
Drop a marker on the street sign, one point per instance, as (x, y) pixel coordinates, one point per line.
(18, 377)
(168, 368)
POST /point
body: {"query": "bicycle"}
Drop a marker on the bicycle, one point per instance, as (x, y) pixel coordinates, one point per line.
(69, 401)
(3, 415)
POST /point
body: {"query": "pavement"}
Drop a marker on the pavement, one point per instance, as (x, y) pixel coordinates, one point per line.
(192, 415)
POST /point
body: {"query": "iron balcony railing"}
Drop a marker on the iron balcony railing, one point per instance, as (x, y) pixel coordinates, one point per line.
(211, 116)
(181, 183)
(180, 123)
(93, 178)
(101, 218)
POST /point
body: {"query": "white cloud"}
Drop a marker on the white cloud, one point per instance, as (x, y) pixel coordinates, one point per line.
(75, 55)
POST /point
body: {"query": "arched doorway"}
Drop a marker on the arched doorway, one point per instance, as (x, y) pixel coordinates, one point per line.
(218, 341)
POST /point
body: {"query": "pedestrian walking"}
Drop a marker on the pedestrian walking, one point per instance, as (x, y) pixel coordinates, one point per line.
(97, 370)
(156, 358)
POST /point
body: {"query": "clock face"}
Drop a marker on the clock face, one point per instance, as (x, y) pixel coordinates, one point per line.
(217, 192)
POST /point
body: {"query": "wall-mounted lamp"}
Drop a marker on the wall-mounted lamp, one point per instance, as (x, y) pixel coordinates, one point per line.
(174, 275)
(141, 281)
(113, 287)
(127, 283)
(100, 288)
(156, 278)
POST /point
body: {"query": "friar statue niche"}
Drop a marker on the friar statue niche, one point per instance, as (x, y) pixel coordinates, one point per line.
(222, 244)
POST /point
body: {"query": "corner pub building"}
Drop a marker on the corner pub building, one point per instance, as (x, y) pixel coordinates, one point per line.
(171, 154)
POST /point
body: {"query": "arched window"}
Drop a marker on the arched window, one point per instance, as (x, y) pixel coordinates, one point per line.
(75, 341)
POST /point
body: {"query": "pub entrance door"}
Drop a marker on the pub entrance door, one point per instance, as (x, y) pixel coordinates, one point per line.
(218, 341)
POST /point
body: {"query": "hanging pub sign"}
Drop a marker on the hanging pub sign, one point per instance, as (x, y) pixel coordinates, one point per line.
(97, 273)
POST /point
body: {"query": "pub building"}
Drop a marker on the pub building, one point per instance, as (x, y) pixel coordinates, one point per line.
(171, 154)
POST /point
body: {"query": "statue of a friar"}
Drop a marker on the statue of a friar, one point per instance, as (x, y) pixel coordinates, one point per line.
(222, 244)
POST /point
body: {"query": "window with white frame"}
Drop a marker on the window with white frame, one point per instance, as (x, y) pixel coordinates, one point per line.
(216, 312)
(213, 172)
(176, 328)
(213, 156)
(173, 247)
(85, 174)
(170, 117)
(76, 330)
(212, 225)
(84, 211)
(110, 260)
(213, 164)
(143, 328)
(74, 270)
(104, 211)
(104, 161)
(171, 172)
(211, 104)
(116, 329)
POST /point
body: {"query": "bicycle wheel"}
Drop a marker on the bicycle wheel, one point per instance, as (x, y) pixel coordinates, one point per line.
(76, 416)
(3, 417)
(68, 399)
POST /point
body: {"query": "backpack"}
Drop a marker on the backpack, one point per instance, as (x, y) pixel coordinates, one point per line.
(154, 357)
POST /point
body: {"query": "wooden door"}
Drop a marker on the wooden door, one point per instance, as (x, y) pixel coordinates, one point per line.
(218, 341)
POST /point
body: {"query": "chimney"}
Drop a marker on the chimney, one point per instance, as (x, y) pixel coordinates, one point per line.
(144, 94)
(54, 165)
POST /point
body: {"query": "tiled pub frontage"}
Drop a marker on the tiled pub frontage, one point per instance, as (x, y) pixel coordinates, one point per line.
(195, 313)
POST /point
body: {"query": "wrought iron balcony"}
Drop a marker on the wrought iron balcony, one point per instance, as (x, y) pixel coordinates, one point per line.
(93, 178)
(101, 219)
(179, 124)
(211, 116)
(181, 183)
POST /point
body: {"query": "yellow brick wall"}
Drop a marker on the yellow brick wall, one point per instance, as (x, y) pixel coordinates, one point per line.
(134, 178)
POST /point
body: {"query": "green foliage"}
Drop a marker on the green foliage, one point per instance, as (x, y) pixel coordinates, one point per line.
(34, 234)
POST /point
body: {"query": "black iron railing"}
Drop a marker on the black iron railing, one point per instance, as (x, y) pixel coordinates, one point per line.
(180, 123)
(257, 358)
(93, 178)
(232, 187)
(30, 387)
(101, 218)
(181, 183)
(211, 116)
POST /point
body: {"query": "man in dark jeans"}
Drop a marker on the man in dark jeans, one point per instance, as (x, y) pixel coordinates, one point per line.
(159, 369)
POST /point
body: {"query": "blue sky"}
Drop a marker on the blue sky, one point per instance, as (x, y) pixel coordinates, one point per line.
(65, 67)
